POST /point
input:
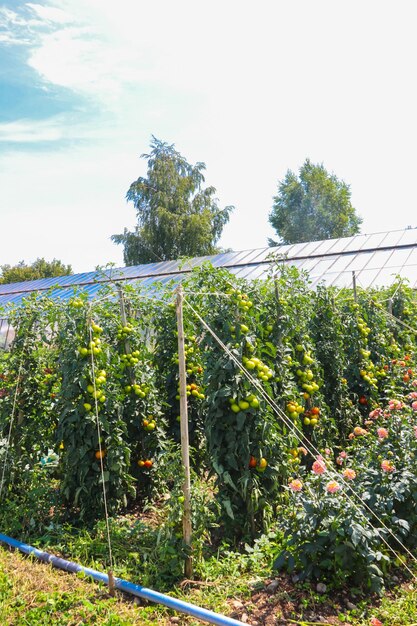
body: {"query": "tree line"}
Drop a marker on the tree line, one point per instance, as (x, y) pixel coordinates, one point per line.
(177, 216)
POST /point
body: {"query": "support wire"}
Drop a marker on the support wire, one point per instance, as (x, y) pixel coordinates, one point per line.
(19, 375)
(101, 454)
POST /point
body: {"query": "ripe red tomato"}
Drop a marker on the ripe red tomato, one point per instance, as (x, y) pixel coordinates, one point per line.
(363, 400)
(252, 462)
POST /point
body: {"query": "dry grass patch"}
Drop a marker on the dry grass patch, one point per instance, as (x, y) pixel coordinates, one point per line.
(34, 593)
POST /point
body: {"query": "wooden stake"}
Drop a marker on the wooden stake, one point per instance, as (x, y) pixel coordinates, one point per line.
(355, 293)
(185, 448)
(112, 588)
(124, 322)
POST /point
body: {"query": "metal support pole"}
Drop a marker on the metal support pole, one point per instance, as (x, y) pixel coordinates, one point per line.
(185, 449)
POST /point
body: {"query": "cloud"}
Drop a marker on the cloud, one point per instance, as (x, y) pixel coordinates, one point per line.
(66, 126)
(49, 13)
(28, 131)
(15, 27)
(250, 90)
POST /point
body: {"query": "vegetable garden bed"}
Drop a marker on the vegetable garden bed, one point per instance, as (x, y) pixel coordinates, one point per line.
(302, 415)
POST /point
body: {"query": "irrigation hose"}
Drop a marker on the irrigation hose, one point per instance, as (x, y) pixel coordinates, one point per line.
(123, 585)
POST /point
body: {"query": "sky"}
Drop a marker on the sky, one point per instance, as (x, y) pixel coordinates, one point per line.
(251, 89)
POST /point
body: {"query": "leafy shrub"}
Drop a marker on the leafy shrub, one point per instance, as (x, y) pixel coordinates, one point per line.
(30, 503)
(326, 538)
(341, 523)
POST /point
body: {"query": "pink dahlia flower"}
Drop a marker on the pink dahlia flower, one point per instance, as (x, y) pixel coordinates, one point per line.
(387, 466)
(349, 473)
(319, 466)
(332, 486)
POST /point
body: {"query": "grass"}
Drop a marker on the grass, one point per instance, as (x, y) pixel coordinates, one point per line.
(396, 608)
(35, 594)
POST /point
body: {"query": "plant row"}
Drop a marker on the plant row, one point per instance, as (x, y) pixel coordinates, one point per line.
(276, 375)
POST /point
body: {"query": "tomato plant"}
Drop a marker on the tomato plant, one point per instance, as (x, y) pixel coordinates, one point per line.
(90, 418)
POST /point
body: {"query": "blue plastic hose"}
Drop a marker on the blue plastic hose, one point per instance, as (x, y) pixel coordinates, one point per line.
(123, 585)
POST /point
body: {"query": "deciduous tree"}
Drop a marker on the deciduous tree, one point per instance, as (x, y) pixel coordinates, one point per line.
(176, 216)
(312, 206)
(38, 269)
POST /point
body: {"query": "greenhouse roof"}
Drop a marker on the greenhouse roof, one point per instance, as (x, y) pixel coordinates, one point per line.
(375, 260)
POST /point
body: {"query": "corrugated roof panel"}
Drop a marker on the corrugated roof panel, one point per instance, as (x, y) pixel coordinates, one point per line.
(197, 261)
(298, 263)
(325, 247)
(307, 250)
(373, 240)
(392, 239)
(255, 256)
(134, 270)
(250, 272)
(157, 269)
(323, 265)
(408, 273)
(340, 264)
(262, 254)
(292, 249)
(11, 300)
(316, 282)
(339, 281)
(377, 278)
(275, 255)
(339, 245)
(400, 258)
(412, 259)
(361, 253)
(368, 278)
(401, 239)
(164, 280)
(362, 260)
(230, 258)
(409, 237)
(356, 243)
(309, 265)
(383, 240)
